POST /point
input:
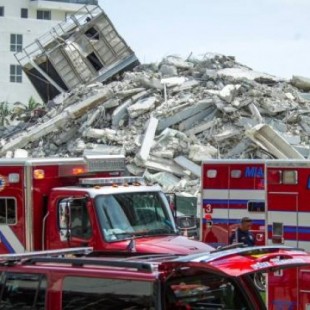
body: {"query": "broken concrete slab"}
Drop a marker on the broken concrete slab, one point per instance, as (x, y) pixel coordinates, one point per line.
(229, 92)
(141, 106)
(168, 70)
(188, 165)
(167, 180)
(202, 127)
(133, 169)
(103, 149)
(121, 112)
(301, 82)
(163, 165)
(255, 112)
(272, 142)
(193, 120)
(178, 62)
(185, 113)
(106, 133)
(173, 81)
(239, 74)
(227, 133)
(79, 109)
(199, 153)
(148, 139)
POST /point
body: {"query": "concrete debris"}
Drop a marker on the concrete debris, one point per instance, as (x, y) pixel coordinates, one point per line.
(188, 165)
(272, 142)
(167, 180)
(301, 83)
(169, 117)
(141, 107)
(148, 139)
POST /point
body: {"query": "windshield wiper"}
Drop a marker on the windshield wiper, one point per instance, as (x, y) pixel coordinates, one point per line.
(161, 231)
(131, 233)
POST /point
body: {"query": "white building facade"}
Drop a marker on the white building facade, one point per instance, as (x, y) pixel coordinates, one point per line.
(21, 23)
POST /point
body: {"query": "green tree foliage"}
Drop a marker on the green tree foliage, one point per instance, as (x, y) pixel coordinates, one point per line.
(4, 114)
(27, 112)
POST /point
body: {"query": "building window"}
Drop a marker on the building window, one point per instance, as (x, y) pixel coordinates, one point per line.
(15, 73)
(44, 14)
(1, 10)
(16, 43)
(7, 211)
(24, 13)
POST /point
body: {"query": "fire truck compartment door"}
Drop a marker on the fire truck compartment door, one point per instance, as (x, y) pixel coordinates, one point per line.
(242, 261)
(283, 218)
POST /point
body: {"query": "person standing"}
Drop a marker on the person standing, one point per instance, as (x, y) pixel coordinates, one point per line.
(242, 234)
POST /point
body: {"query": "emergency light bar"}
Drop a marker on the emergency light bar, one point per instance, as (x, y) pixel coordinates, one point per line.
(69, 251)
(112, 181)
(97, 163)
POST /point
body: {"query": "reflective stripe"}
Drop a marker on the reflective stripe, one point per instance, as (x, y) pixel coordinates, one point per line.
(9, 240)
(255, 194)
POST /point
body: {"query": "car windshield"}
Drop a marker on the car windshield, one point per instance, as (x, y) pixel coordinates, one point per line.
(125, 215)
(205, 291)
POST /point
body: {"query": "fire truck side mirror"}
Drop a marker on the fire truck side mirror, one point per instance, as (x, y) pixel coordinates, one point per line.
(64, 219)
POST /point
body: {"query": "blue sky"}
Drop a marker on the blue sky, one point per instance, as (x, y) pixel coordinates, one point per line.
(268, 35)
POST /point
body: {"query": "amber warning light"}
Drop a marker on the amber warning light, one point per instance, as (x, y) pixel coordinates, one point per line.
(78, 170)
(38, 174)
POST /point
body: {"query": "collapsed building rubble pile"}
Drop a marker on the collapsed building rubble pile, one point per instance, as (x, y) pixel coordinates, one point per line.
(168, 117)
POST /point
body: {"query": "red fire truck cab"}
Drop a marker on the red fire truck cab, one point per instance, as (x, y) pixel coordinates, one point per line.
(218, 280)
(72, 202)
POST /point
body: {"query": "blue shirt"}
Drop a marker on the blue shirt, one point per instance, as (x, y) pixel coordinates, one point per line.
(243, 236)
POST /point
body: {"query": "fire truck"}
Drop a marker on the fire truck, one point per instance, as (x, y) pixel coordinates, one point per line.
(54, 203)
(54, 280)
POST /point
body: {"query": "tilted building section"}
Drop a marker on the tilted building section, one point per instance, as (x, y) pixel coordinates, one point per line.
(84, 49)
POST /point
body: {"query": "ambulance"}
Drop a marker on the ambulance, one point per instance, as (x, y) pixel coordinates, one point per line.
(275, 194)
(232, 190)
(53, 203)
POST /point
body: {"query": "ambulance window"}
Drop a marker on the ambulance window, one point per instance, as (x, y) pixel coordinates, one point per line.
(256, 206)
(109, 294)
(211, 173)
(23, 291)
(235, 174)
(7, 211)
(289, 177)
(274, 176)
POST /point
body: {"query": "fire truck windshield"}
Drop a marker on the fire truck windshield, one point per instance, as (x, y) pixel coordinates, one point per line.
(125, 215)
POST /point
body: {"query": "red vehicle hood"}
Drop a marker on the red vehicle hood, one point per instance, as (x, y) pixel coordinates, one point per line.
(171, 245)
(242, 261)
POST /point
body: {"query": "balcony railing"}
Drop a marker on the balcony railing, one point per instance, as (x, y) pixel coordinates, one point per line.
(88, 2)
